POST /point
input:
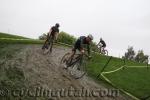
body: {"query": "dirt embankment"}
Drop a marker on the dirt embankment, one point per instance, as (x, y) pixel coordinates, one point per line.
(45, 72)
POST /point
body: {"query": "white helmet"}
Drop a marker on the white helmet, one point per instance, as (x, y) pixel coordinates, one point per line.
(90, 36)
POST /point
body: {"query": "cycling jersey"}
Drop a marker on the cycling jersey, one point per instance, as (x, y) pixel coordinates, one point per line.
(79, 44)
(103, 43)
(54, 29)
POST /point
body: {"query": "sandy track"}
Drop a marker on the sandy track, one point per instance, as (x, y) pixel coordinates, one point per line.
(44, 71)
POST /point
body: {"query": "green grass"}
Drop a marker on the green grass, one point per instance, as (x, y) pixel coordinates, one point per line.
(6, 35)
(133, 80)
(14, 39)
(8, 50)
(28, 41)
(98, 61)
(11, 76)
(134, 63)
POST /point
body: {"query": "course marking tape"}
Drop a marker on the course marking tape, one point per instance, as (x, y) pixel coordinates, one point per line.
(113, 70)
(120, 88)
(136, 66)
(110, 82)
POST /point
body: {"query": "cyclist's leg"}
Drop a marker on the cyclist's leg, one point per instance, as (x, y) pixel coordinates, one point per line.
(72, 55)
(100, 49)
(44, 45)
(46, 41)
(76, 46)
(52, 37)
(82, 52)
(103, 49)
(98, 46)
(69, 59)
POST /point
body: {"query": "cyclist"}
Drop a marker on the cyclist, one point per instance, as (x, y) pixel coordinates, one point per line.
(79, 44)
(53, 34)
(101, 44)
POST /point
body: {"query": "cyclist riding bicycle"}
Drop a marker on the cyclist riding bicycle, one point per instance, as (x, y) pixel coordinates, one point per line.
(101, 44)
(53, 34)
(79, 44)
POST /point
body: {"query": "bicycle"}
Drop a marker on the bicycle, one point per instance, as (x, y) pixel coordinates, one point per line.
(47, 47)
(102, 51)
(76, 65)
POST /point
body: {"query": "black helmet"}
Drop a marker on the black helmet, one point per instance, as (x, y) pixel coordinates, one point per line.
(57, 25)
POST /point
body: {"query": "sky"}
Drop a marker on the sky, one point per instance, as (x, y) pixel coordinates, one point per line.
(121, 23)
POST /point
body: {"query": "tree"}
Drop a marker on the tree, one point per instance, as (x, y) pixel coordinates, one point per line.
(43, 36)
(130, 54)
(140, 57)
(66, 38)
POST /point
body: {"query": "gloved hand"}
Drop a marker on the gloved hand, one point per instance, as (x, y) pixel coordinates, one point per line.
(82, 51)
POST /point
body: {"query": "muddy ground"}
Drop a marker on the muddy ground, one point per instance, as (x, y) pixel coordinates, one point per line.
(44, 73)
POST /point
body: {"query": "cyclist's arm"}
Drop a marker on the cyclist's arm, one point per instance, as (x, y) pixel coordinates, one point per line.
(82, 45)
(88, 49)
(81, 42)
(56, 35)
(98, 43)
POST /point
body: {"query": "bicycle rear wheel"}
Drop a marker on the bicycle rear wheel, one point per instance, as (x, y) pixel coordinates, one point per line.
(105, 52)
(64, 60)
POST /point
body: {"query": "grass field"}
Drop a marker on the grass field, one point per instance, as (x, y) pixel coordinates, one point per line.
(134, 80)
(131, 79)
(98, 61)
(11, 77)
(5, 35)
(14, 39)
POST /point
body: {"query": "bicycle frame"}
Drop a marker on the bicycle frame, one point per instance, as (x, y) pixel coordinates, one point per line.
(78, 58)
(48, 43)
(76, 66)
(102, 51)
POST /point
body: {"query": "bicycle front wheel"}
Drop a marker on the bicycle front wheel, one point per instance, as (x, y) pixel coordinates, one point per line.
(78, 70)
(48, 46)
